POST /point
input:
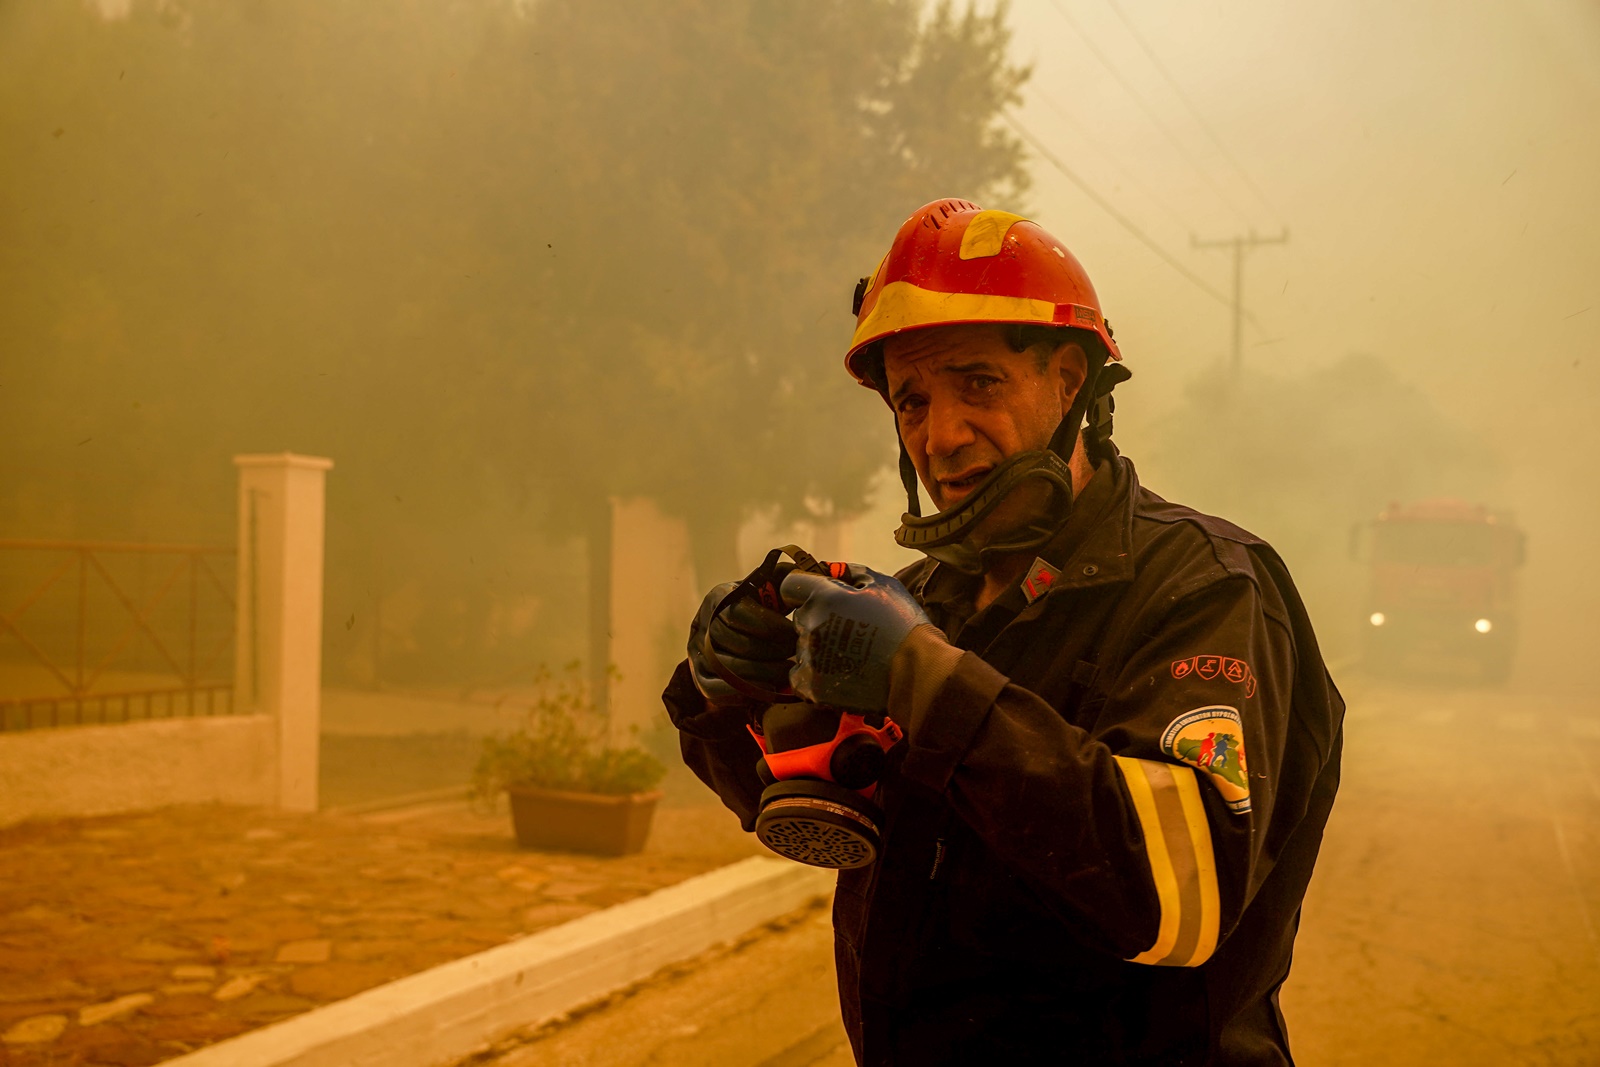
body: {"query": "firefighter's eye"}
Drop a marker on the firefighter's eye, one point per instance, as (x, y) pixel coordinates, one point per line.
(982, 383)
(911, 404)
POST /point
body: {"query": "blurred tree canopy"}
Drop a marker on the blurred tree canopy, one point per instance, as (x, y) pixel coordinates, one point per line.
(501, 261)
(725, 172)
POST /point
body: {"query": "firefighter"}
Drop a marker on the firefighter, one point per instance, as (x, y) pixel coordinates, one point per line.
(1120, 743)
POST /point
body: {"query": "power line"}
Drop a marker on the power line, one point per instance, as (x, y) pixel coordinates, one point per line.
(1149, 112)
(1083, 131)
(1161, 68)
(1110, 209)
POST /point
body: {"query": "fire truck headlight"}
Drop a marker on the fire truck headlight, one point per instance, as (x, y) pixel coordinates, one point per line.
(1483, 626)
(1376, 618)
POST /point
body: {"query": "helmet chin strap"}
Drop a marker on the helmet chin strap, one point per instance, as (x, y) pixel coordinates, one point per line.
(908, 477)
(951, 528)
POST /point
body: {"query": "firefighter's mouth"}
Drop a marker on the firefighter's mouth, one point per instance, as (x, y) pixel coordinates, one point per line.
(954, 488)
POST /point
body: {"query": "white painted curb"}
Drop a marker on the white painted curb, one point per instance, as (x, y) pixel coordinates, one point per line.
(443, 1014)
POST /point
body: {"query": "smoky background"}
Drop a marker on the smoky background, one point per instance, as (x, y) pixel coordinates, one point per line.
(506, 261)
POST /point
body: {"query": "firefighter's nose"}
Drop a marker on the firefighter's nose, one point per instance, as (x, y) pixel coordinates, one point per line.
(948, 431)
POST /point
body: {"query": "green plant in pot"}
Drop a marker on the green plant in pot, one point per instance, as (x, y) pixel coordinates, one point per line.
(569, 785)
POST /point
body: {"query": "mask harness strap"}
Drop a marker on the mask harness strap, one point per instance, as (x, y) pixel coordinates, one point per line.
(1097, 432)
(1091, 408)
(908, 476)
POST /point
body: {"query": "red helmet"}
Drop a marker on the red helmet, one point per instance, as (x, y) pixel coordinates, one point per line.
(953, 262)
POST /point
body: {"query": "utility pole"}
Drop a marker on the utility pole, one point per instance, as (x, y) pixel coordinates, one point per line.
(1240, 244)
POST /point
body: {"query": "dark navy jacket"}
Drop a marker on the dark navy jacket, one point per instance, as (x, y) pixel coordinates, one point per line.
(1101, 826)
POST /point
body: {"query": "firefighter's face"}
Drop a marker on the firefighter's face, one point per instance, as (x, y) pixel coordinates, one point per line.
(965, 401)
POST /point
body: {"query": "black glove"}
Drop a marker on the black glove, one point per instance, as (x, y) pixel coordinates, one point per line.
(752, 641)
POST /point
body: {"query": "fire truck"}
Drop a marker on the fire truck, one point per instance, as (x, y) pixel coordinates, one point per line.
(1441, 597)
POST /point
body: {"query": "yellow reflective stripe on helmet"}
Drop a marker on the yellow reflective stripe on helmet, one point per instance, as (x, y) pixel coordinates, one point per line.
(986, 233)
(1166, 798)
(902, 304)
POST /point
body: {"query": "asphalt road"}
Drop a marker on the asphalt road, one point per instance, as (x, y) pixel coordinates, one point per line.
(1454, 918)
(768, 1001)
(1455, 914)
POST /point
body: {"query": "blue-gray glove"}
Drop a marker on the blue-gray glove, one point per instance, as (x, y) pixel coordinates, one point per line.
(849, 632)
(754, 642)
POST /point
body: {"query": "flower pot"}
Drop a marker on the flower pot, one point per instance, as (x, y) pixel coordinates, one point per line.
(581, 822)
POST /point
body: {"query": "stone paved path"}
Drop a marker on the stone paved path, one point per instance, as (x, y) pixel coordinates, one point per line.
(128, 940)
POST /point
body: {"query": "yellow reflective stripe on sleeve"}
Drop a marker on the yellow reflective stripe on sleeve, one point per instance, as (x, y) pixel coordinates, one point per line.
(1166, 798)
(1155, 844)
(1194, 812)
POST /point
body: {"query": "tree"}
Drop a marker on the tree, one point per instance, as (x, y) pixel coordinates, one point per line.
(234, 227)
(500, 261)
(713, 177)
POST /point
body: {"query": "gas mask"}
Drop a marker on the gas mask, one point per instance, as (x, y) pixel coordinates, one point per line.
(820, 765)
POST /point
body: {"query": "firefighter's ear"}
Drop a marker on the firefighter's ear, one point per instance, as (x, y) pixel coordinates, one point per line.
(1073, 366)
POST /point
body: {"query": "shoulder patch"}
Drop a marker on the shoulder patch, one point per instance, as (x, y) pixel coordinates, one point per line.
(1211, 740)
(1041, 576)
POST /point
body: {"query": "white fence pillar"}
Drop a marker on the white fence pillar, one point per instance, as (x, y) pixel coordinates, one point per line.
(652, 600)
(278, 660)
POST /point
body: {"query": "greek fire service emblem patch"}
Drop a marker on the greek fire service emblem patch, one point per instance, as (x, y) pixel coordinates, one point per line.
(1212, 740)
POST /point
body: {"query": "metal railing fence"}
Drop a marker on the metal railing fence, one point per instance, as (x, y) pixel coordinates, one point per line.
(91, 619)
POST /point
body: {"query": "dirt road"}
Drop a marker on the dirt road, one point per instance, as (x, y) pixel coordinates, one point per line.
(1453, 918)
